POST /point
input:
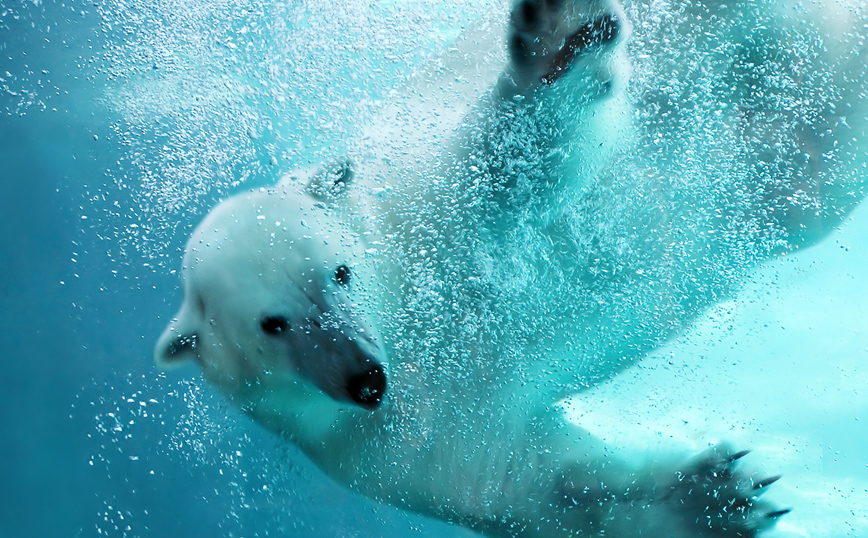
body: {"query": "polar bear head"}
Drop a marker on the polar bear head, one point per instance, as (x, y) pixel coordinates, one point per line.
(268, 279)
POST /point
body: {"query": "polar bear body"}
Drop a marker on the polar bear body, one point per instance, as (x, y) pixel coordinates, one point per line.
(410, 317)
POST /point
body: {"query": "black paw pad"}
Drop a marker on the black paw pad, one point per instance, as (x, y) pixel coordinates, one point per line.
(519, 50)
(599, 32)
(527, 14)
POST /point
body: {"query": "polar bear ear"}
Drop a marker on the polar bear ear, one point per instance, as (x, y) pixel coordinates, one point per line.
(330, 180)
(177, 345)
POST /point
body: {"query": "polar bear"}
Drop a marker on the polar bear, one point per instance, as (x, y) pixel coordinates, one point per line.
(410, 316)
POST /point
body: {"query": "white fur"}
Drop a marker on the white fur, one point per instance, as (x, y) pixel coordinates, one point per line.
(498, 262)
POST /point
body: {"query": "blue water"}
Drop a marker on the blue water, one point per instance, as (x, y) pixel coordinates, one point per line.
(97, 442)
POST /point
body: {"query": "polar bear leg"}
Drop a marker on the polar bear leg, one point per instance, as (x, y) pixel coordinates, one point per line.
(587, 488)
(557, 112)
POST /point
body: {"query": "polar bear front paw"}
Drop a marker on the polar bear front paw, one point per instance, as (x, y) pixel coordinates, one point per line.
(713, 497)
(547, 36)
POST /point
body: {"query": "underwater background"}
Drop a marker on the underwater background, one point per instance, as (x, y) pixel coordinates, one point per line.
(123, 122)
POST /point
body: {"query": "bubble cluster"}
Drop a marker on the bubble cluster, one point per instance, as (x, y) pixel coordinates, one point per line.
(217, 96)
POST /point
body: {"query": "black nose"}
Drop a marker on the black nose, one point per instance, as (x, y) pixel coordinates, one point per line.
(368, 389)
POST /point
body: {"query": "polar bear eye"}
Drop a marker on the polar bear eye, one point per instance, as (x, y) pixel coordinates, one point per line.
(274, 325)
(342, 275)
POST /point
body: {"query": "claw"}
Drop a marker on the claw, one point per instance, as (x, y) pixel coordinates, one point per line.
(767, 482)
(599, 32)
(778, 513)
(738, 455)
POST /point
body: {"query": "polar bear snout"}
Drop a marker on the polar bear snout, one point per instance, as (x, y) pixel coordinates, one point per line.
(343, 361)
(368, 388)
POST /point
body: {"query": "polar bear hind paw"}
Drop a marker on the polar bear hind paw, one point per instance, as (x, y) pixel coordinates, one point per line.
(547, 36)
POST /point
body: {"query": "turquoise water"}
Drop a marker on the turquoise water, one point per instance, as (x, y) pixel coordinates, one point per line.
(782, 369)
(123, 122)
(96, 441)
